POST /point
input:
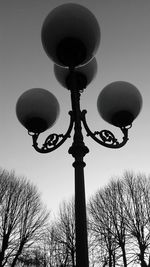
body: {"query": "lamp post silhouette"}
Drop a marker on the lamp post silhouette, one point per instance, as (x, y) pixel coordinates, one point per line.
(70, 37)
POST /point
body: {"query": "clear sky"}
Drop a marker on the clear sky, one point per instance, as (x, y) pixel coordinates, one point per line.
(124, 54)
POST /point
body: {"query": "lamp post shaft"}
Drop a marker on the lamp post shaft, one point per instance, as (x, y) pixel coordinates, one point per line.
(78, 151)
(80, 216)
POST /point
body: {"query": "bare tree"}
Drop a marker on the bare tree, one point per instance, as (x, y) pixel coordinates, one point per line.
(66, 228)
(3, 183)
(113, 194)
(60, 237)
(102, 228)
(120, 221)
(55, 251)
(22, 217)
(136, 202)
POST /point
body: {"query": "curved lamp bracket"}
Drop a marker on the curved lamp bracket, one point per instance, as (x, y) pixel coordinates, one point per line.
(105, 137)
(53, 141)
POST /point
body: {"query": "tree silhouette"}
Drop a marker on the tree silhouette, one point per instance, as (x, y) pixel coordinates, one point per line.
(136, 203)
(60, 237)
(22, 217)
(119, 216)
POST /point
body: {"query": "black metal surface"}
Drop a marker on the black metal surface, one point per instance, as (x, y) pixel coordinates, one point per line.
(105, 137)
(53, 141)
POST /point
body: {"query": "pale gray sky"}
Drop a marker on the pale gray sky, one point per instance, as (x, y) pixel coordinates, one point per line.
(124, 54)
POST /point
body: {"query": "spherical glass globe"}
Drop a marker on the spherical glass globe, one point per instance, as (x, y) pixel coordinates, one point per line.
(37, 109)
(84, 74)
(70, 35)
(119, 103)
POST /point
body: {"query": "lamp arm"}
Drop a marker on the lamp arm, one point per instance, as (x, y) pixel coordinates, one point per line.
(105, 137)
(53, 141)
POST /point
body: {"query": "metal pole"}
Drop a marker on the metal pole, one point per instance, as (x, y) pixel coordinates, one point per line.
(80, 215)
(78, 150)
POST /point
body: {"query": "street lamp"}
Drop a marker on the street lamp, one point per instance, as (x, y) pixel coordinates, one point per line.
(70, 37)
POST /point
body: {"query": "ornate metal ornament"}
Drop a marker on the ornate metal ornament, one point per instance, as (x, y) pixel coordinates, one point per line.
(53, 141)
(105, 137)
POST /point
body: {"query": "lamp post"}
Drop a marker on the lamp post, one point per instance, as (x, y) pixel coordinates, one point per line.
(70, 37)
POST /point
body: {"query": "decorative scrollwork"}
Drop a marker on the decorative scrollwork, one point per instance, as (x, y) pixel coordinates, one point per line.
(107, 137)
(53, 141)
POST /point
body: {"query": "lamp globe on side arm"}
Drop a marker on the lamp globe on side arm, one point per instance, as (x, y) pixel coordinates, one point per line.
(70, 35)
(119, 103)
(37, 110)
